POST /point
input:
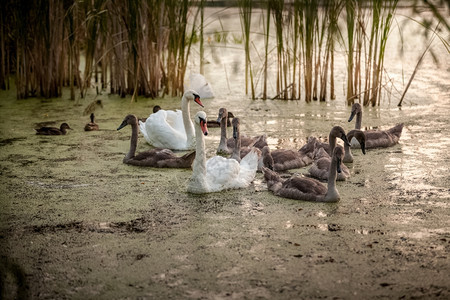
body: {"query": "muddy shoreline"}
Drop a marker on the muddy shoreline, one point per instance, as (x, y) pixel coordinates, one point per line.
(78, 223)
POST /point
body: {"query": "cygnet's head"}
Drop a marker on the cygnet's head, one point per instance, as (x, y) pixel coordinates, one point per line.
(339, 132)
(356, 109)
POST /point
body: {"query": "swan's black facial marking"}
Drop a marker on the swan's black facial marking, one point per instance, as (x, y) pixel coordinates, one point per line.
(203, 125)
(197, 100)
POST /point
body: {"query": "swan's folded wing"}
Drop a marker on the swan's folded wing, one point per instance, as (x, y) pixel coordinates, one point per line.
(248, 167)
(161, 134)
(320, 168)
(175, 120)
(143, 130)
(221, 172)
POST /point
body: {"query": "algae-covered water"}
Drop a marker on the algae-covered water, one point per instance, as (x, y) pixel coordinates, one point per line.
(78, 223)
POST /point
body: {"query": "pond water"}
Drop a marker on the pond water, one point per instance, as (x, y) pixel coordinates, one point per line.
(78, 223)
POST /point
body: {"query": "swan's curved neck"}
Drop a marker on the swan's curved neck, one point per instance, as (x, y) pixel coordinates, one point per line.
(133, 141)
(348, 157)
(237, 146)
(199, 166)
(332, 193)
(358, 120)
(332, 142)
(223, 134)
(188, 126)
(197, 182)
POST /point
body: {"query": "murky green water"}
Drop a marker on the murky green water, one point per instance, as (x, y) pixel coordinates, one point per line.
(80, 224)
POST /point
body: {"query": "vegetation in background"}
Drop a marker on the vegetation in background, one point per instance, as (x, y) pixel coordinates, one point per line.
(245, 13)
(143, 47)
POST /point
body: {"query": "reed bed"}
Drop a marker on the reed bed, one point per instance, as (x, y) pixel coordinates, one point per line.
(142, 48)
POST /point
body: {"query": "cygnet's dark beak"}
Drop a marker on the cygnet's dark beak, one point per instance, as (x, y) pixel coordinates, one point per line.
(124, 123)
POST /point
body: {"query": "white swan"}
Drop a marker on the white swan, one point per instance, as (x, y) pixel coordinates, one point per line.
(218, 173)
(172, 129)
(198, 83)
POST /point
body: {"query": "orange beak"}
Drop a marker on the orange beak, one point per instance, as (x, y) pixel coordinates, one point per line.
(204, 127)
(197, 100)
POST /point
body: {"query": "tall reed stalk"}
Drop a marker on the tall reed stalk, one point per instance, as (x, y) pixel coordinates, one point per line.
(266, 49)
(277, 11)
(382, 17)
(245, 13)
(350, 8)
(310, 15)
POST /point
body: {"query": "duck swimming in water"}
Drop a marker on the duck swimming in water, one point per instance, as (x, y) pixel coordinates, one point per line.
(91, 126)
(62, 130)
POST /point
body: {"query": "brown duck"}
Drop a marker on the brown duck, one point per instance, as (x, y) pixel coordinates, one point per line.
(91, 126)
(62, 130)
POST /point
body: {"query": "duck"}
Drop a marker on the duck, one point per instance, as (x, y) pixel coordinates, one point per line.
(91, 107)
(226, 145)
(62, 130)
(156, 158)
(322, 159)
(172, 129)
(286, 159)
(360, 137)
(218, 173)
(91, 126)
(375, 138)
(216, 123)
(304, 188)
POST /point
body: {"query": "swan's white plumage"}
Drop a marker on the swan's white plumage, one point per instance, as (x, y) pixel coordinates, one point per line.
(226, 173)
(198, 83)
(219, 173)
(167, 128)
